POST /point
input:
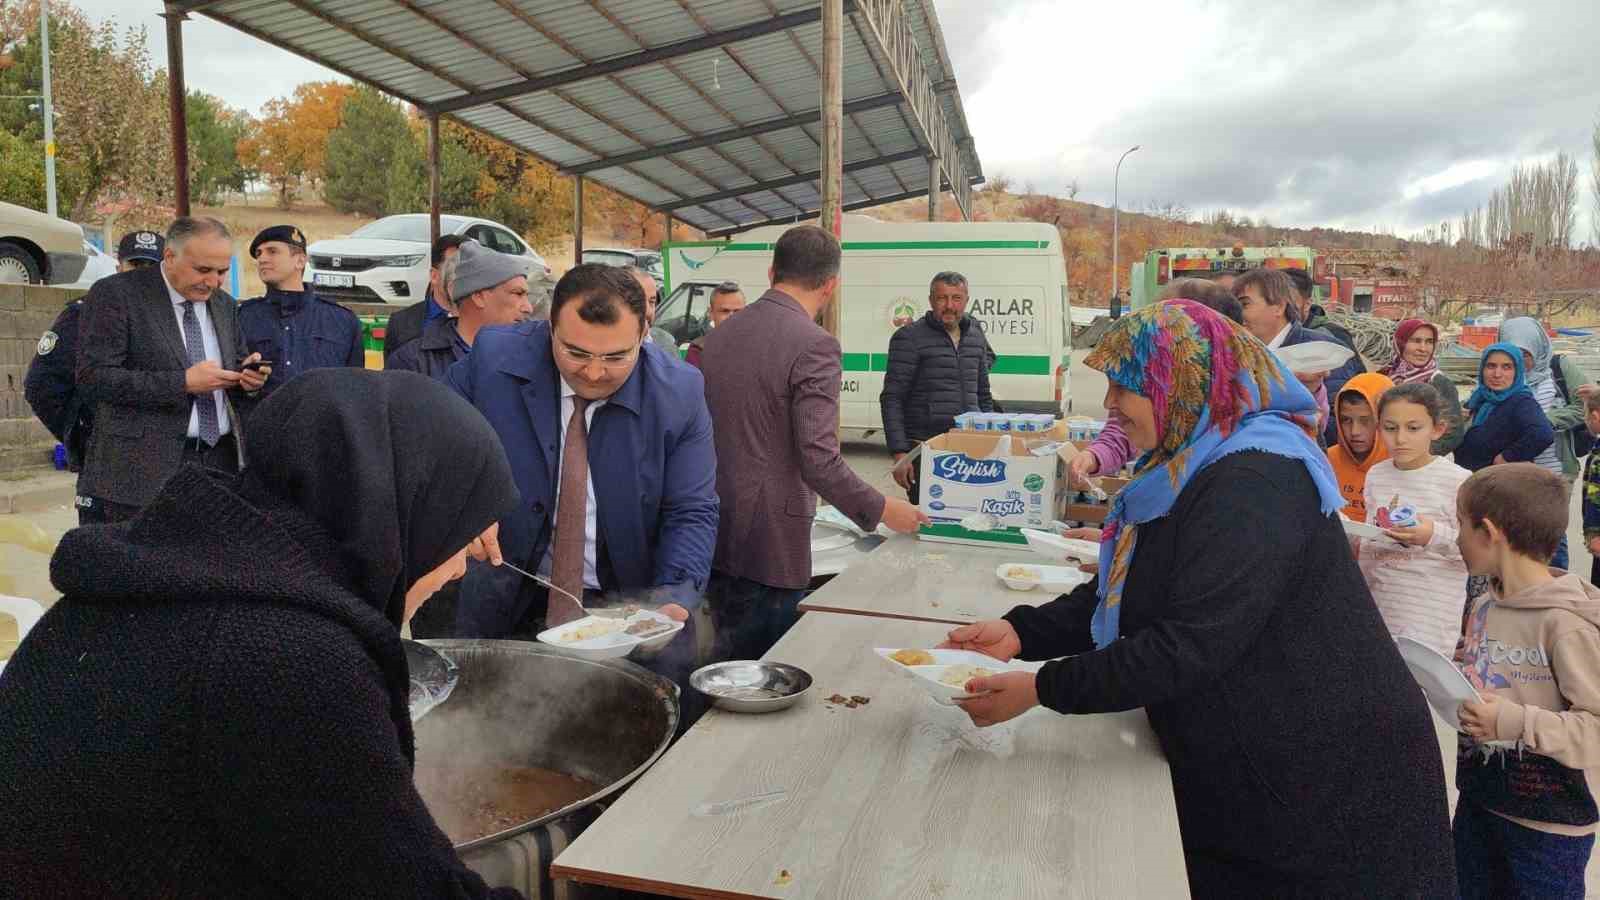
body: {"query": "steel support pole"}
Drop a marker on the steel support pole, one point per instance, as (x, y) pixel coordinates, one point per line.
(832, 215)
(935, 183)
(177, 110)
(577, 220)
(433, 177)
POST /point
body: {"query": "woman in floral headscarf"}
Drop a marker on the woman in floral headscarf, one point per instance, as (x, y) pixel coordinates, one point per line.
(1304, 759)
(1416, 361)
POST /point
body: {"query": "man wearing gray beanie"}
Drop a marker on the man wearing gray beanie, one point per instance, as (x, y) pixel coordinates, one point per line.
(487, 288)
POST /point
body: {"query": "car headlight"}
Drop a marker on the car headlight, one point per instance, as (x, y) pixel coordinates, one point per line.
(400, 261)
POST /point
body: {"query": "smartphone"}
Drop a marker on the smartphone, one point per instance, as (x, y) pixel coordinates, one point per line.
(256, 365)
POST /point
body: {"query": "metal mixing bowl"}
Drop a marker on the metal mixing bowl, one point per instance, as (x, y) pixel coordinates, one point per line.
(751, 686)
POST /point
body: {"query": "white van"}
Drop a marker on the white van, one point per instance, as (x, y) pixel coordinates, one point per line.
(1018, 291)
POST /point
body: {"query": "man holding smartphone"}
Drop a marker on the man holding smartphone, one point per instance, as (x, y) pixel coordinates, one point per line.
(159, 359)
(291, 328)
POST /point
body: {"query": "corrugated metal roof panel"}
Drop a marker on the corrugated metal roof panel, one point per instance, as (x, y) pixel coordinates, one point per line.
(431, 51)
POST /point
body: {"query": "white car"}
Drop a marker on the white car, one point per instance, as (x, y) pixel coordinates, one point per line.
(648, 260)
(387, 261)
(99, 265)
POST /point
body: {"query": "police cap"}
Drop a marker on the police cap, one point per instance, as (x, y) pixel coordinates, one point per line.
(141, 245)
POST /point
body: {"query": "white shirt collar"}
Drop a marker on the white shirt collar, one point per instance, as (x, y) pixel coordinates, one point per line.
(1277, 342)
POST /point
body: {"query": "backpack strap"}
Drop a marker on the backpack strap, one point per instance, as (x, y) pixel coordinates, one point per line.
(1561, 378)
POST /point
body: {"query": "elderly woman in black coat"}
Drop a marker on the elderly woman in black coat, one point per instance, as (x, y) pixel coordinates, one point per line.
(218, 705)
(1304, 760)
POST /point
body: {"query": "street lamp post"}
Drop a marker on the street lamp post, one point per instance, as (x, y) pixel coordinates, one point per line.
(1115, 184)
(49, 117)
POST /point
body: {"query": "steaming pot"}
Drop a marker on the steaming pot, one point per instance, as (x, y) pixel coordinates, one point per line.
(524, 704)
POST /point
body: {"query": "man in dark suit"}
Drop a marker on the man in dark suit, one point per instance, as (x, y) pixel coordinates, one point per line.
(772, 384)
(408, 324)
(160, 358)
(581, 402)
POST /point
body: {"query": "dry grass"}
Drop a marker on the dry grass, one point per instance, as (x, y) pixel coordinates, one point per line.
(317, 220)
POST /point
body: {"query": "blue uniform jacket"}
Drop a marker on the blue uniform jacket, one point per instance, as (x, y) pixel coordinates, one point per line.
(651, 458)
(298, 332)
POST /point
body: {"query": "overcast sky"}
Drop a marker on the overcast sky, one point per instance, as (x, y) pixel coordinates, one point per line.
(1352, 113)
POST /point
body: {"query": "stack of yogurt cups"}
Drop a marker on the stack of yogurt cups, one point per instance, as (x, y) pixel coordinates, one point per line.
(1018, 423)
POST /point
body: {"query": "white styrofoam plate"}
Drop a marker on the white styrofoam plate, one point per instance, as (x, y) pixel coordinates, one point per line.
(26, 612)
(612, 645)
(1061, 549)
(1059, 579)
(1360, 529)
(927, 677)
(1314, 356)
(1443, 684)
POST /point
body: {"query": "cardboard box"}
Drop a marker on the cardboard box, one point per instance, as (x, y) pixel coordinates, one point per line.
(961, 477)
(1095, 513)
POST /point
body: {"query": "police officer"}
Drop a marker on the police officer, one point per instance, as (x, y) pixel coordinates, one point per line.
(50, 386)
(292, 328)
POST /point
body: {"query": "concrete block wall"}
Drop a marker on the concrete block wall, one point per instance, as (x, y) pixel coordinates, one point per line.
(26, 312)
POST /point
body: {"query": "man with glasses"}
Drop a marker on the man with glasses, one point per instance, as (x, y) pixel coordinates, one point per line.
(610, 442)
(51, 387)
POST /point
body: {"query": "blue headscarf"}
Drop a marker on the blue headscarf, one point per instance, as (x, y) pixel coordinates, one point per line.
(1483, 400)
(1216, 390)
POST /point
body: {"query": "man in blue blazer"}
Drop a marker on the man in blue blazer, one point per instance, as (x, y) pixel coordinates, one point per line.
(581, 401)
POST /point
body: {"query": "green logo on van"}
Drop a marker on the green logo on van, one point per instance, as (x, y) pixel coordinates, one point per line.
(902, 313)
(692, 264)
(1034, 482)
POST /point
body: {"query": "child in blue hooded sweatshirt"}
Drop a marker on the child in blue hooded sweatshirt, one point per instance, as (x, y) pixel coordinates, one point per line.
(1507, 424)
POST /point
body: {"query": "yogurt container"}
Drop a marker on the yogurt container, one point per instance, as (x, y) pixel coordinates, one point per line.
(1403, 517)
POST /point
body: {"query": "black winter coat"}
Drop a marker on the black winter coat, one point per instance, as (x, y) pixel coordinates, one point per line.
(1304, 759)
(204, 716)
(433, 353)
(297, 331)
(929, 381)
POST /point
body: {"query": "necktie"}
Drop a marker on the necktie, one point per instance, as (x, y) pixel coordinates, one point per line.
(566, 563)
(195, 345)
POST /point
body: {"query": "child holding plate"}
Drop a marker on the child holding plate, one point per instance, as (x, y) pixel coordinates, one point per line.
(1415, 573)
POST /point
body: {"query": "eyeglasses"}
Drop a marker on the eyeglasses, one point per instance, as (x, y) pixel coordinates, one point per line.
(618, 360)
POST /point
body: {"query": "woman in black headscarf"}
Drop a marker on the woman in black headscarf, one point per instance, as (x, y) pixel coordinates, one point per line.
(218, 706)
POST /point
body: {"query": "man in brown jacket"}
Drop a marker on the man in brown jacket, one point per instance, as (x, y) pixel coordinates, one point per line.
(772, 385)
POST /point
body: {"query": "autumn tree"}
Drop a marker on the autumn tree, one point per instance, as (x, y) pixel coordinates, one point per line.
(461, 178)
(363, 152)
(290, 140)
(109, 103)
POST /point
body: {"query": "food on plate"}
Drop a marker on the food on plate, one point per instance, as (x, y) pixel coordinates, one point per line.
(958, 676)
(912, 657)
(8, 635)
(590, 630)
(648, 628)
(1022, 573)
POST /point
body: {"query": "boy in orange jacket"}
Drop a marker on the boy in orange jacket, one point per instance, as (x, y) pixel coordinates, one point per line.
(1355, 410)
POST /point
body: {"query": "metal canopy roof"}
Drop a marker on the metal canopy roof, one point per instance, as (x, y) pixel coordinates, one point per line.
(707, 109)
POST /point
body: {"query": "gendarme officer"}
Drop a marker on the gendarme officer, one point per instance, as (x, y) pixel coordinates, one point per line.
(291, 326)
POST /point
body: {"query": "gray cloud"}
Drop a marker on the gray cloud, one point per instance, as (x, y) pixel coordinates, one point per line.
(1324, 111)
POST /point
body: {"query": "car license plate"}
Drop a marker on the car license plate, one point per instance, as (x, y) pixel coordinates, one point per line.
(328, 280)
